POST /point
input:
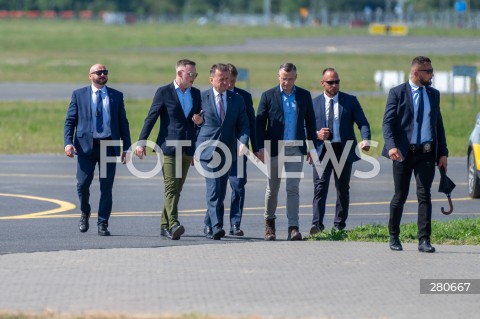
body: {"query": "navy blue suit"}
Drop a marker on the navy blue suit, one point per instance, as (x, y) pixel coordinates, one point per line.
(398, 123)
(350, 113)
(238, 183)
(173, 123)
(270, 124)
(78, 131)
(235, 125)
(174, 126)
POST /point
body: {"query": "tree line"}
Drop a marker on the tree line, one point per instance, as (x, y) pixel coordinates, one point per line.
(206, 7)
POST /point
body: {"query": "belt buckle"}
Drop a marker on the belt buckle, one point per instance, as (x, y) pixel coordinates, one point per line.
(427, 147)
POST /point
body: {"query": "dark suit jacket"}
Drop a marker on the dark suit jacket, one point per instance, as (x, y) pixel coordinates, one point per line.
(270, 119)
(350, 112)
(79, 123)
(235, 124)
(247, 98)
(173, 123)
(398, 121)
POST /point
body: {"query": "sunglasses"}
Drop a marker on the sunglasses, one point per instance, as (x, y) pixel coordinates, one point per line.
(192, 75)
(332, 82)
(100, 72)
(428, 71)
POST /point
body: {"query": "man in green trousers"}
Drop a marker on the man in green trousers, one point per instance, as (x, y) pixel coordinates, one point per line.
(178, 105)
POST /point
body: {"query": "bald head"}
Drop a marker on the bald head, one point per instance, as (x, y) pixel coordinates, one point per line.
(97, 77)
(97, 67)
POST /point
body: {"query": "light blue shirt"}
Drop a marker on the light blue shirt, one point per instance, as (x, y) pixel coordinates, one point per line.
(107, 132)
(185, 98)
(426, 134)
(289, 115)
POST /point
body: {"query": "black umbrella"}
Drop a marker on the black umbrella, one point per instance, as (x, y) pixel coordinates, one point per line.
(446, 186)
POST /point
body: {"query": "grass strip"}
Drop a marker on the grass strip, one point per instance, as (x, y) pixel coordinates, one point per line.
(454, 232)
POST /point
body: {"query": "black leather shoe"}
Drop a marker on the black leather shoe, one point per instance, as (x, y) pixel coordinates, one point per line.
(207, 230)
(177, 231)
(103, 230)
(395, 243)
(236, 231)
(315, 229)
(165, 233)
(339, 227)
(219, 233)
(83, 225)
(425, 247)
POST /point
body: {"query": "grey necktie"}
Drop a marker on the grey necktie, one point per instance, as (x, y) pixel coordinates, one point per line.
(99, 112)
(330, 118)
(221, 107)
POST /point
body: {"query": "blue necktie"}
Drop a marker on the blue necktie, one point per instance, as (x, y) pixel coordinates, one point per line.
(420, 116)
(99, 113)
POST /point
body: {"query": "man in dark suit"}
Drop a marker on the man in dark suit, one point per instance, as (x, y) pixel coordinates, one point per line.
(415, 141)
(237, 183)
(175, 104)
(284, 114)
(96, 113)
(225, 120)
(335, 113)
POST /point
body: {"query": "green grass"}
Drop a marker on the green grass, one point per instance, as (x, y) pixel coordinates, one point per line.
(62, 51)
(37, 127)
(454, 232)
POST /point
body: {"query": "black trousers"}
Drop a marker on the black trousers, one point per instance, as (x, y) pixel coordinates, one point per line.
(422, 165)
(342, 185)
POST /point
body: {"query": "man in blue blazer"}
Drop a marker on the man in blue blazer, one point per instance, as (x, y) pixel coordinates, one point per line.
(335, 113)
(95, 113)
(225, 120)
(175, 104)
(284, 114)
(415, 141)
(238, 183)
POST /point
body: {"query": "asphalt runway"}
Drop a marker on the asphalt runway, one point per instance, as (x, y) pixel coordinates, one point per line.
(38, 205)
(412, 45)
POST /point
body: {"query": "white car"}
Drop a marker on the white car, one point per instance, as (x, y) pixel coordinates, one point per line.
(474, 161)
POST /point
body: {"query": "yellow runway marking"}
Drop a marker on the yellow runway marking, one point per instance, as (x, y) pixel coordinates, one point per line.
(248, 211)
(64, 206)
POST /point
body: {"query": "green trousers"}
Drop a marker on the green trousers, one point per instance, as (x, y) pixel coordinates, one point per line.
(173, 188)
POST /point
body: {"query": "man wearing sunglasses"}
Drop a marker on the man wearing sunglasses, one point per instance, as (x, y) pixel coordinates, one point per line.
(178, 105)
(335, 114)
(96, 113)
(415, 141)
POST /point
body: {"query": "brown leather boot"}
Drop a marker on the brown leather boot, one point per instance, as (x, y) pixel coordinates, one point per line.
(293, 233)
(270, 229)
